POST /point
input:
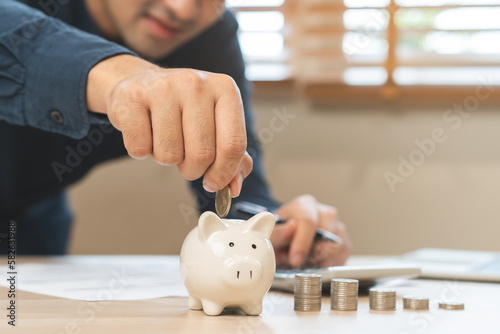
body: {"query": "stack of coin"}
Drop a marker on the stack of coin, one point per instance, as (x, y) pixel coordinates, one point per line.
(307, 292)
(382, 299)
(451, 306)
(415, 303)
(344, 294)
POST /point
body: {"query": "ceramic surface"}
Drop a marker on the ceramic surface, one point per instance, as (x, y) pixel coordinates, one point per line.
(228, 263)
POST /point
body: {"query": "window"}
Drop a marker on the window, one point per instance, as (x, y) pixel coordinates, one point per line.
(384, 47)
(447, 42)
(261, 34)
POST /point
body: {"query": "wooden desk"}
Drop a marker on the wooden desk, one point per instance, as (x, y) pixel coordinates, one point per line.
(37, 314)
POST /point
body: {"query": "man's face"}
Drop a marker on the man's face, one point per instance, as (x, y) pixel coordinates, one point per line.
(155, 28)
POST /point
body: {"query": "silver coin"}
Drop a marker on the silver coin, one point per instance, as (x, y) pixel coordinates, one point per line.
(451, 306)
(344, 294)
(382, 299)
(307, 292)
(415, 303)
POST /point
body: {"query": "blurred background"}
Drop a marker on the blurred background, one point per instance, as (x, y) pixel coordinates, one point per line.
(392, 116)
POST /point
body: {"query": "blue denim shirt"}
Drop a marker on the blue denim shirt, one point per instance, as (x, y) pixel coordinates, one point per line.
(48, 139)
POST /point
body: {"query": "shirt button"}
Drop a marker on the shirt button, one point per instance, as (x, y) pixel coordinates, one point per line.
(57, 116)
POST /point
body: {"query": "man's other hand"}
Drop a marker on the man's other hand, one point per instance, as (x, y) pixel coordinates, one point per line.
(293, 241)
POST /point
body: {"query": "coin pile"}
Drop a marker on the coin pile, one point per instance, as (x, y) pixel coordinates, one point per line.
(415, 303)
(344, 294)
(451, 306)
(382, 299)
(307, 292)
(223, 201)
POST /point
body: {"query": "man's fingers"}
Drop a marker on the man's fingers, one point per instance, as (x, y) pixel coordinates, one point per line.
(281, 238)
(334, 254)
(283, 211)
(230, 134)
(342, 254)
(311, 215)
(199, 138)
(281, 256)
(282, 234)
(243, 171)
(136, 132)
(168, 143)
(327, 216)
(192, 119)
(345, 248)
(325, 253)
(302, 209)
(337, 253)
(302, 242)
(302, 206)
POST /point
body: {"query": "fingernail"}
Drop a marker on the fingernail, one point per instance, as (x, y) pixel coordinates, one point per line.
(138, 158)
(209, 186)
(296, 260)
(239, 180)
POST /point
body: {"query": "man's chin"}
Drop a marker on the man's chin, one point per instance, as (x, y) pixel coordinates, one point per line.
(153, 52)
(151, 48)
(154, 56)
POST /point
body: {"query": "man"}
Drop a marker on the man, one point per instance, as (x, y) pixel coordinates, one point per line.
(180, 96)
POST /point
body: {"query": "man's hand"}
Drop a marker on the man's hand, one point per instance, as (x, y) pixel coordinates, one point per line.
(192, 119)
(293, 241)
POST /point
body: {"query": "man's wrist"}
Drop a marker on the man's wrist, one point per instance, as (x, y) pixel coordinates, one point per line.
(105, 76)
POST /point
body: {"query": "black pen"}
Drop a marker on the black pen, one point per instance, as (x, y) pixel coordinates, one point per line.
(246, 210)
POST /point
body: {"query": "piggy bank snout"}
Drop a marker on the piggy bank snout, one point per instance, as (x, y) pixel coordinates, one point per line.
(242, 272)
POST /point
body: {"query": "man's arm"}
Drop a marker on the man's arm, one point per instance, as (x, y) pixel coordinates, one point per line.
(57, 73)
(44, 65)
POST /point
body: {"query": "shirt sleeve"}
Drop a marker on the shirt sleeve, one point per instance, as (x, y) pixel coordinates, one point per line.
(222, 54)
(44, 64)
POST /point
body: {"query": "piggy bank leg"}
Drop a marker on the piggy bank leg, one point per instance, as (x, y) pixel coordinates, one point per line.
(252, 308)
(211, 308)
(194, 303)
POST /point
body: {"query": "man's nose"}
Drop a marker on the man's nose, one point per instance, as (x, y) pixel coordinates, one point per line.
(184, 10)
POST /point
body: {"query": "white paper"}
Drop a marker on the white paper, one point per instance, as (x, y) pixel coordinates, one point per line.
(101, 277)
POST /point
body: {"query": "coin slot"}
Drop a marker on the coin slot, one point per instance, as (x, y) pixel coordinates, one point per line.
(238, 274)
(250, 274)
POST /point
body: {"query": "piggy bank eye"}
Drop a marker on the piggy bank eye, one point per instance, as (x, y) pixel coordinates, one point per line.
(254, 246)
(231, 244)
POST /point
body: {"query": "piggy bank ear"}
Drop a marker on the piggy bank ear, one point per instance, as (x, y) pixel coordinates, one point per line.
(208, 224)
(263, 223)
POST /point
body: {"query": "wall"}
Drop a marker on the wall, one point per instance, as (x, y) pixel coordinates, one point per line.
(341, 155)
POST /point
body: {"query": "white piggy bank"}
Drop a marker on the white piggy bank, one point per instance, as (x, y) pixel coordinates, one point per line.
(228, 263)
